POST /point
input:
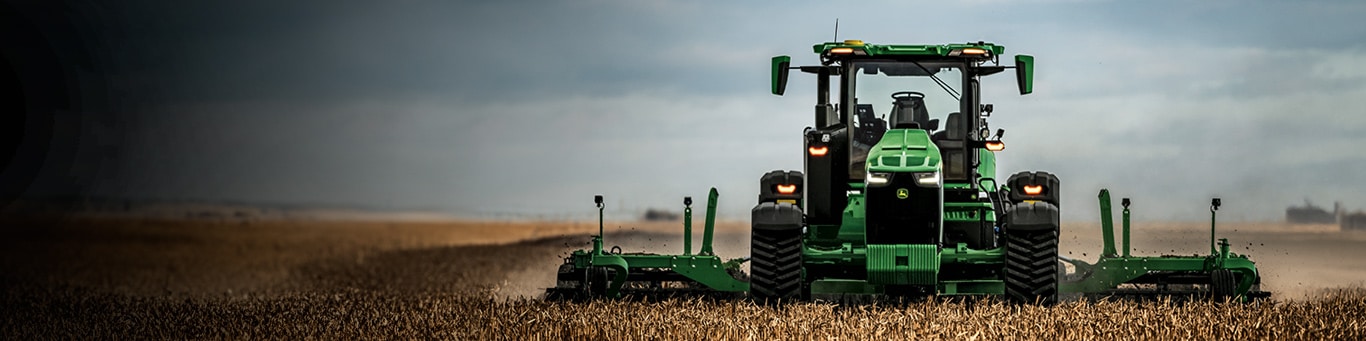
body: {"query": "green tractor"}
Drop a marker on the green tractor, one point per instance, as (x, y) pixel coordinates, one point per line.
(899, 196)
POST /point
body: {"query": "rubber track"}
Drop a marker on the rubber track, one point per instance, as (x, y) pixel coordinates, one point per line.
(1031, 266)
(775, 265)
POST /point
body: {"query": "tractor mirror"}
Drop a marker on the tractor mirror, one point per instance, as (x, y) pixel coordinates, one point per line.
(1024, 73)
(780, 65)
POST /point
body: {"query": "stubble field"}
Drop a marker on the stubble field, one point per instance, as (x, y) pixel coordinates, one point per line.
(186, 279)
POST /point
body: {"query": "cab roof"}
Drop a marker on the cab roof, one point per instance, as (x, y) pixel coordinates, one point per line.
(858, 47)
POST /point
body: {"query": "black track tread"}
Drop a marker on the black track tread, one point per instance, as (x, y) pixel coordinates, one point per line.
(775, 265)
(1032, 267)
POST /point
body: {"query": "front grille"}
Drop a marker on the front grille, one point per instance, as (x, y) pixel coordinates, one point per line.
(912, 217)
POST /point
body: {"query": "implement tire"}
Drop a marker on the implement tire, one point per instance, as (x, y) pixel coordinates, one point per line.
(1222, 285)
(1031, 269)
(596, 281)
(775, 252)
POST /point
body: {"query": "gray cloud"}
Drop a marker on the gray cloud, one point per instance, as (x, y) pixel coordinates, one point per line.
(532, 107)
(335, 50)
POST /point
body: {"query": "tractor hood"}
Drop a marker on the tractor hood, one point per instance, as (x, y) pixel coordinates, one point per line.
(902, 151)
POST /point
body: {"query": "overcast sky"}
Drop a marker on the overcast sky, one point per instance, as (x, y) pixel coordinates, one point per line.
(532, 107)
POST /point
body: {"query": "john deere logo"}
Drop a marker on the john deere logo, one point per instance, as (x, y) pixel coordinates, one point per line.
(902, 193)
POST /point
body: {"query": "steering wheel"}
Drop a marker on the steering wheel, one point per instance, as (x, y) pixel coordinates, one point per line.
(900, 95)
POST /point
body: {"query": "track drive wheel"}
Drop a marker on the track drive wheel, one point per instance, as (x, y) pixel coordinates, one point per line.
(1222, 285)
(1031, 269)
(775, 252)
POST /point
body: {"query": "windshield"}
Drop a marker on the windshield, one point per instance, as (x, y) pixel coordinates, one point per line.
(903, 95)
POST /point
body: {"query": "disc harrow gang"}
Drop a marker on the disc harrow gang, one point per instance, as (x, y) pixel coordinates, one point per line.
(599, 273)
(1221, 275)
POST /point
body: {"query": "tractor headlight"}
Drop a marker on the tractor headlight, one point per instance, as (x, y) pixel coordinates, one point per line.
(930, 179)
(876, 179)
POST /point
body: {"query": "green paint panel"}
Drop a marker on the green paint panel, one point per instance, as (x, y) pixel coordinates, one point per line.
(779, 74)
(903, 264)
(969, 212)
(851, 226)
(959, 216)
(904, 150)
(986, 169)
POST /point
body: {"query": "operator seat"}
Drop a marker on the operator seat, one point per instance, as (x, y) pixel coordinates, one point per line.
(953, 129)
(910, 113)
(951, 147)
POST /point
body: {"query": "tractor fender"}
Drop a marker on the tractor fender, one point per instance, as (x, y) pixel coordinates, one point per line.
(1032, 216)
(771, 216)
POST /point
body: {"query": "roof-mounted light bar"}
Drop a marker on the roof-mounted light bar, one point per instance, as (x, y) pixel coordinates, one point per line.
(970, 51)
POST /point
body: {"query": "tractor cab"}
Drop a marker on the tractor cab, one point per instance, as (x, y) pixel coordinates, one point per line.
(891, 94)
(902, 122)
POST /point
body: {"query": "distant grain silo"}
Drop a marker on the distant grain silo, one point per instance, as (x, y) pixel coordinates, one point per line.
(1310, 214)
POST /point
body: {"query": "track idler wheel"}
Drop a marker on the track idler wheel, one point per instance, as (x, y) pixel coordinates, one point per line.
(1031, 269)
(775, 252)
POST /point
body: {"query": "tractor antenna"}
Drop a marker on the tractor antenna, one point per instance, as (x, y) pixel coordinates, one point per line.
(837, 30)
